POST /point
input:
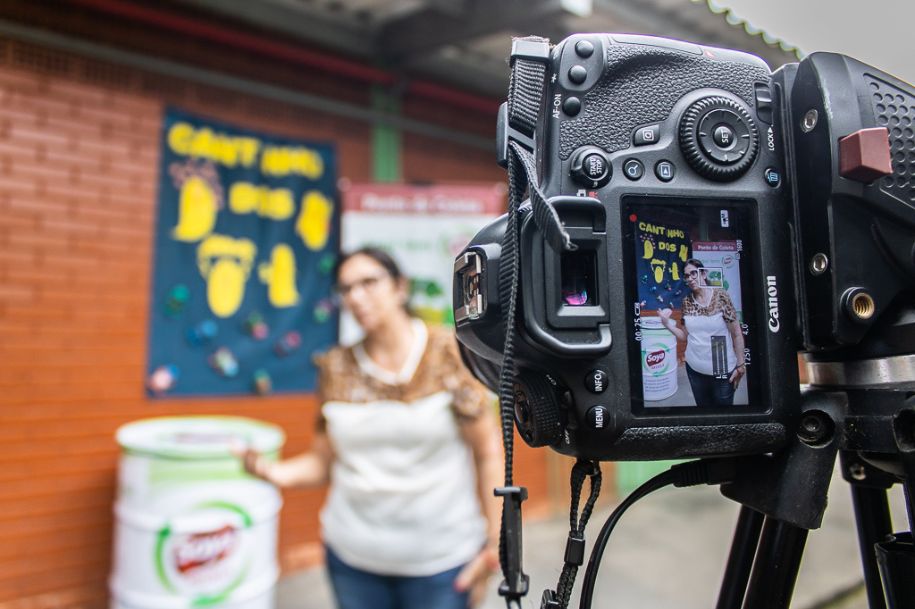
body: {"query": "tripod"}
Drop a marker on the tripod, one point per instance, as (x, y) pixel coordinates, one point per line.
(861, 409)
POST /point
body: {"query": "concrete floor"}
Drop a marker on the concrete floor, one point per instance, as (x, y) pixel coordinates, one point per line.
(668, 552)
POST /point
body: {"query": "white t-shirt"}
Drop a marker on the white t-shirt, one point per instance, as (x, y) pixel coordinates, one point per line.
(709, 346)
(403, 498)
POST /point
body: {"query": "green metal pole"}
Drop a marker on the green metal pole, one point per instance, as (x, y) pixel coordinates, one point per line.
(386, 138)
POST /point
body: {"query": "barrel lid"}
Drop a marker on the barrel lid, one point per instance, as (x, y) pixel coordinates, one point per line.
(651, 323)
(198, 437)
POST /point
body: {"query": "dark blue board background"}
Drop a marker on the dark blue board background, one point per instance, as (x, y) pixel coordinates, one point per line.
(176, 263)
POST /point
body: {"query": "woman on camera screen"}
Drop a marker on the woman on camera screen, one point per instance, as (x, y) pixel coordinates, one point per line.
(409, 443)
(714, 342)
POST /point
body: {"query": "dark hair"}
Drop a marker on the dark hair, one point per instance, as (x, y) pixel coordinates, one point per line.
(693, 261)
(381, 257)
(378, 255)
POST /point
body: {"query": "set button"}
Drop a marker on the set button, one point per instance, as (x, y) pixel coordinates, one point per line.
(724, 136)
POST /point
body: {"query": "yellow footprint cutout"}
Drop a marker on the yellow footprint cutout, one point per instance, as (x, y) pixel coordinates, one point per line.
(197, 208)
(648, 250)
(279, 276)
(313, 223)
(225, 263)
(658, 266)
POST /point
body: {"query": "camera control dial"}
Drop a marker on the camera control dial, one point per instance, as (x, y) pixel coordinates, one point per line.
(719, 138)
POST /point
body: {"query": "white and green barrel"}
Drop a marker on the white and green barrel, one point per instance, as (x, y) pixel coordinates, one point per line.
(192, 529)
(659, 360)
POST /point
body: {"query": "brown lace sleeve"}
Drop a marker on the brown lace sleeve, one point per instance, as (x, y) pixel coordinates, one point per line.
(333, 370)
(470, 396)
(688, 306)
(727, 306)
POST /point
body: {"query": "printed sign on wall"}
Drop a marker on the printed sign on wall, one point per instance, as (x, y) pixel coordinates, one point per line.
(246, 241)
(424, 228)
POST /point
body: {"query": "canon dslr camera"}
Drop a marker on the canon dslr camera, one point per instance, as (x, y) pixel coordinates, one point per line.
(720, 218)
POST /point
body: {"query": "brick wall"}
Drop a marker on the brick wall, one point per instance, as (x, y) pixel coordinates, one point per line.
(78, 166)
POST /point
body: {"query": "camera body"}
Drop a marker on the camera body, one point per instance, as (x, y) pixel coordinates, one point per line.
(672, 328)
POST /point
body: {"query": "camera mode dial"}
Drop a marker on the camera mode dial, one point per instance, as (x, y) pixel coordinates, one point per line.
(719, 138)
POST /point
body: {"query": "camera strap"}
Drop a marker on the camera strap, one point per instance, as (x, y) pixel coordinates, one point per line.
(575, 544)
(530, 57)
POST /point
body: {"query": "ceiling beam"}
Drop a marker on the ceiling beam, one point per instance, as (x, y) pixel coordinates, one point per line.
(429, 29)
(300, 21)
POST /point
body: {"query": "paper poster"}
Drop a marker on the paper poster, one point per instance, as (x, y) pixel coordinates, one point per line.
(246, 238)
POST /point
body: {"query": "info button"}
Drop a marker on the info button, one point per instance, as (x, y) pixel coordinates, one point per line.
(596, 381)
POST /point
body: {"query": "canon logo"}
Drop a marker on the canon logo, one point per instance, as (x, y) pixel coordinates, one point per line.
(772, 291)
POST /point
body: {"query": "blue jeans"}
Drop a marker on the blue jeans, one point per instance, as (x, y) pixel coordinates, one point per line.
(357, 589)
(708, 390)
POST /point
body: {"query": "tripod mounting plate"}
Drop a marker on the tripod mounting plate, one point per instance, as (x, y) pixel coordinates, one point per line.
(897, 372)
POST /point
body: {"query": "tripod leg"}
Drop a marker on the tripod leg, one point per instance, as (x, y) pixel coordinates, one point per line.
(778, 560)
(872, 516)
(740, 560)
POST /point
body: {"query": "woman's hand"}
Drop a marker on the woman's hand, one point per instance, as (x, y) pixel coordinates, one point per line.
(475, 574)
(665, 315)
(254, 463)
(738, 374)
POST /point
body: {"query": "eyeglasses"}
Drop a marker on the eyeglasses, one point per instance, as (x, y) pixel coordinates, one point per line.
(692, 274)
(366, 283)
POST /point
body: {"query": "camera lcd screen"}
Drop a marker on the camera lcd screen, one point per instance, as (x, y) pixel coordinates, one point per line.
(688, 267)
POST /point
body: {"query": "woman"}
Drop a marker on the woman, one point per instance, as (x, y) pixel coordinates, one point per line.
(714, 342)
(408, 441)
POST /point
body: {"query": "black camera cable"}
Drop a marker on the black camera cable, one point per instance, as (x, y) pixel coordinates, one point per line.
(691, 473)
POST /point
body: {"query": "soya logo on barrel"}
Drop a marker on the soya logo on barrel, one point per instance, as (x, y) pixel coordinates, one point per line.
(206, 550)
(654, 358)
(204, 553)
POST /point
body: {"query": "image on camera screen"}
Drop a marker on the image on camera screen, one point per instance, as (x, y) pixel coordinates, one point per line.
(691, 335)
